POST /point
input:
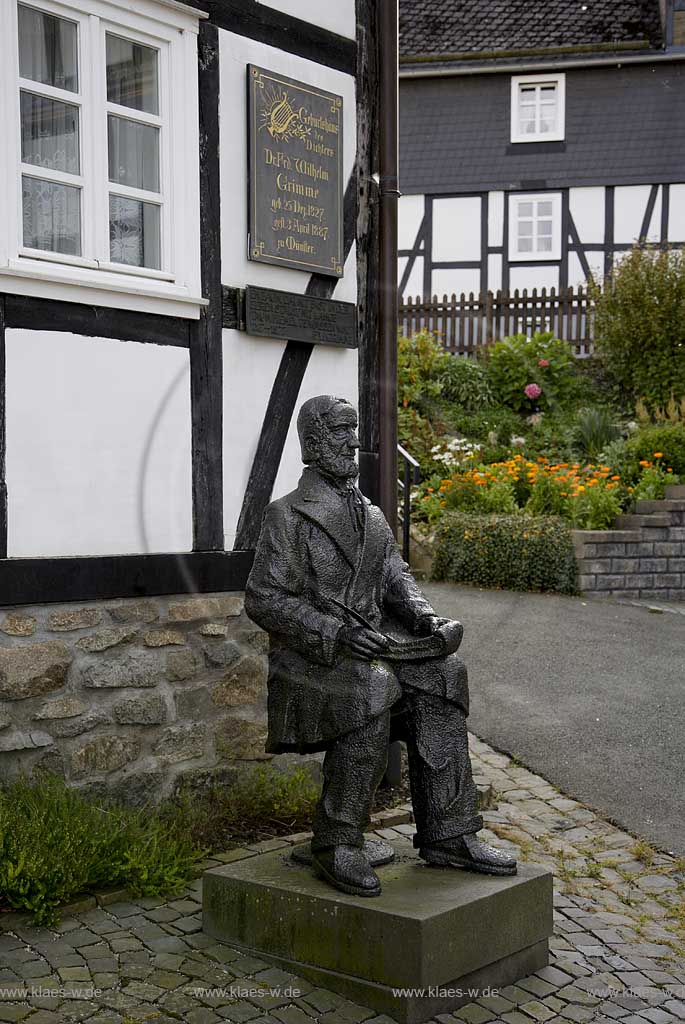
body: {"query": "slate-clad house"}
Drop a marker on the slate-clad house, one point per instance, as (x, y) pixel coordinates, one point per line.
(537, 140)
(142, 428)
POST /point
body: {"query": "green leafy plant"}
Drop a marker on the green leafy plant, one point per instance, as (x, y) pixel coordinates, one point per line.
(639, 324)
(421, 364)
(668, 439)
(465, 382)
(529, 373)
(56, 843)
(652, 483)
(595, 508)
(508, 551)
(593, 430)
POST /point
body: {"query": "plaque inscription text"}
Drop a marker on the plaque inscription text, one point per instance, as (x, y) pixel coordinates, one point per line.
(295, 174)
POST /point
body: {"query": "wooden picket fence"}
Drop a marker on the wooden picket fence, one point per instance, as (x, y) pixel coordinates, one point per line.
(466, 323)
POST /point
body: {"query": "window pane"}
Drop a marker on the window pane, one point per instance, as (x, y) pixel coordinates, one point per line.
(133, 153)
(134, 235)
(545, 227)
(132, 74)
(51, 216)
(547, 91)
(525, 210)
(47, 49)
(527, 91)
(527, 122)
(544, 209)
(525, 244)
(525, 227)
(544, 244)
(49, 133)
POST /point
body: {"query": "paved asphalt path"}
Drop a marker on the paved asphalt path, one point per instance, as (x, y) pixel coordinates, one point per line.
(588, 693)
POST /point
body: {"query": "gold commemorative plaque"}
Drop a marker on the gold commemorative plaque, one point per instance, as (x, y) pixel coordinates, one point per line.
(295, 174)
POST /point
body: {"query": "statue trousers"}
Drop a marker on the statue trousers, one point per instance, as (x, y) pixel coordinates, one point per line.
(444, 795)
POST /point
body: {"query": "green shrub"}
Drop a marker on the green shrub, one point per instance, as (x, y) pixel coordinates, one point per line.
(546, 498)
(669, 439)
(593, 430)
(506, 551)
(516, 362)
(258, 799)
(615, 455)
(640, 324)
(467, 496)
(465, 382)
(55, 843)
(421, 363)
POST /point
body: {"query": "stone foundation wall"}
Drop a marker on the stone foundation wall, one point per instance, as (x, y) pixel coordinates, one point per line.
(643, 558)
(132, 697)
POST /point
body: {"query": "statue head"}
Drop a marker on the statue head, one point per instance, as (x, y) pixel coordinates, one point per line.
(327, 427)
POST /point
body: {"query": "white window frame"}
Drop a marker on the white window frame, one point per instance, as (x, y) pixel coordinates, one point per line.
(171, 28)
(536, 256)
(517, 82)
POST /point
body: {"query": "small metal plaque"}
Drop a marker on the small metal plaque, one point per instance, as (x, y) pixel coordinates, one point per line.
(276, 314)
(295, 174)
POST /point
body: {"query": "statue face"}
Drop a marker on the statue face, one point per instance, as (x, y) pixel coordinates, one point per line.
(338, 444)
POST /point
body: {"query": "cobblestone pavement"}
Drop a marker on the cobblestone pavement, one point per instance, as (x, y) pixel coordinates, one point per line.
(617, 952)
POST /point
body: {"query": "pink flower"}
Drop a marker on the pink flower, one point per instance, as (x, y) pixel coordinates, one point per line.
(532, 390)
(543, 362)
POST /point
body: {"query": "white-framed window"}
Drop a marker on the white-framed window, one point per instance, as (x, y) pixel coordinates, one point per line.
(538, 108)
(535, 226)
(101, 161)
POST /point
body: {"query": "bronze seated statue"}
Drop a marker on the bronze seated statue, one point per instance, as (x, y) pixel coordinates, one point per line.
(358, 658)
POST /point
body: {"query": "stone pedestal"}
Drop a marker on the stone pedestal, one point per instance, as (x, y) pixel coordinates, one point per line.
(445, 934)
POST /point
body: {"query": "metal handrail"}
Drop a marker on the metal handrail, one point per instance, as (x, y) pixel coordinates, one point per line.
(411, 472)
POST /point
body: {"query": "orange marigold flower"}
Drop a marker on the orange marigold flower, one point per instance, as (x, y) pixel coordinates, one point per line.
(658, 455)
(616, 477)
(644, 462)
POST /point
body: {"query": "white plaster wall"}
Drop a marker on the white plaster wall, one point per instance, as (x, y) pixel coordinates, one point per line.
(98, 446)
(414, 285)
(250, 366)
(496, 218)
(543, 276)
(456, 229)
(587, 210)
(630, 204)
(334, 15)
(576, 274)
(494, 272)
(676, 214)
(235, 53)
(410, 210)
(445, 282)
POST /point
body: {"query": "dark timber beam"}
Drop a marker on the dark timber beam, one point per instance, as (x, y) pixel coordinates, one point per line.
(387, 296)
(367, 247)
(206, 364)
(267, 25)
(49, 580)
(29, 313)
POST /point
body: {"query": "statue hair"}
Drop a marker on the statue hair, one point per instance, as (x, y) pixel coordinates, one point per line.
(311, 422)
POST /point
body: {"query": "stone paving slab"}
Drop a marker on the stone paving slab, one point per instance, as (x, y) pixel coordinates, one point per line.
(617, 953)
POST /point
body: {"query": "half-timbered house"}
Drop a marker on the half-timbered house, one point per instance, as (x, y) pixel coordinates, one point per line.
(537, 141)
(153, 352)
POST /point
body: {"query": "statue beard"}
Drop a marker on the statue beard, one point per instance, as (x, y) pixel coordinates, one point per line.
(339, 469)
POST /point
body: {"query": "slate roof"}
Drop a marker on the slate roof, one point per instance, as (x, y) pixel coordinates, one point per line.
(483, 26)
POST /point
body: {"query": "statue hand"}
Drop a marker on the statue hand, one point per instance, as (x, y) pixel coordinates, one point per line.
(365, 643)
(429, 624)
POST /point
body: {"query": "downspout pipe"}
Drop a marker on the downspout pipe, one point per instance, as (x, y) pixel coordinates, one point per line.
(388, 52)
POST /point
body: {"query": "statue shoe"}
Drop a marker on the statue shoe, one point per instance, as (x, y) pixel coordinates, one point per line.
(471, 854)
(347, 868)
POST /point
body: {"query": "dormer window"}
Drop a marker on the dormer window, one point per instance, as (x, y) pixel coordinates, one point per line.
(537, 108)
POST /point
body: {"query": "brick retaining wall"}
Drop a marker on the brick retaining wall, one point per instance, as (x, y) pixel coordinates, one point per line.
(643, 558)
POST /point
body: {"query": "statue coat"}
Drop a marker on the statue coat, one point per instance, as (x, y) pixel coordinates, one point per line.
(310, 560)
